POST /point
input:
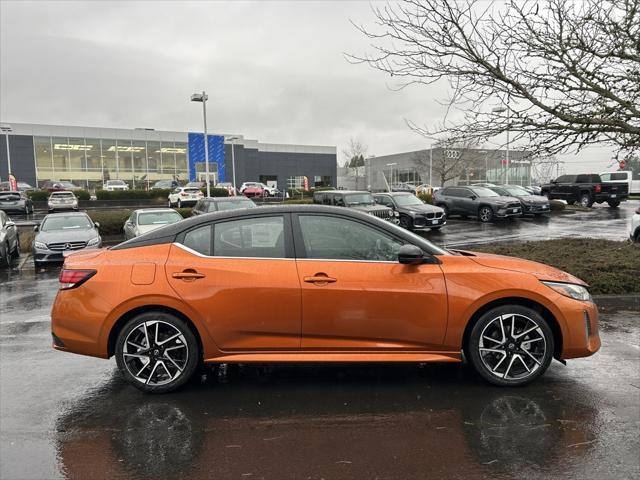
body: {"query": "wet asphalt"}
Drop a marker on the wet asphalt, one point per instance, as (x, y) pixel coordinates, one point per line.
(68, 416)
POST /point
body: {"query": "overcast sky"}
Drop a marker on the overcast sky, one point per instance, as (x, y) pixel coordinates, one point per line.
(274, 71)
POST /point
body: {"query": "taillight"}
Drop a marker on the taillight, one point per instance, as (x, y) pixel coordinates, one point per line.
(184, 194)
(74, 278)
(598, 188)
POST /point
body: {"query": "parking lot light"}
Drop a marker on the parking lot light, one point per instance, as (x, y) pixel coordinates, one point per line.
(6, 129)
(202, 97)
(233, 139)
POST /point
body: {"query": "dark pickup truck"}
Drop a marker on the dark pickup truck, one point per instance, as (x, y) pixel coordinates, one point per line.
(586, 189)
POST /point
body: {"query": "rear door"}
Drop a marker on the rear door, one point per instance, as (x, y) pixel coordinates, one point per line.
(241, 277)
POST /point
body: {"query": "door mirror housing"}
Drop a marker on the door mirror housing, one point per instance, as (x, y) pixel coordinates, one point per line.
(96, 224)
(410, 255)
(9, 224)
(36, 228)
(472, 197)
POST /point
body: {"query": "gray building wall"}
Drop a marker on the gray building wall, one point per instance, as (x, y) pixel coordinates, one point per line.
(23, 163)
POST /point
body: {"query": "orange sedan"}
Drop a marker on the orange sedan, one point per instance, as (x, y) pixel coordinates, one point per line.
(314, 284)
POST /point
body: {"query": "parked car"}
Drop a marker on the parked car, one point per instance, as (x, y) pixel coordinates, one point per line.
(16, 202)
(533, 189)
(587, 189)
(259, 186)
(60, 233)
(165, 185)
(184, 196)
(622, 177)
(62, 201)
(357, 200)
(199, 185)
(634, 226)
(531, 204)
(477, 201)
(221, 204)
(59, 185)
(145, 220)
(403, 187)
(414, 213)
(330, 285)
(254, 191)
(22, 187)
(112, 185)
(229, 187)
(9, 240)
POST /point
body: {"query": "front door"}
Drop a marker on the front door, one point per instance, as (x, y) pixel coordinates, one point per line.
(356, 296)
(241, 279)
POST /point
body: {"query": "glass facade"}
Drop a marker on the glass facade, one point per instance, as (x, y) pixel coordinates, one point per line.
(89, 162)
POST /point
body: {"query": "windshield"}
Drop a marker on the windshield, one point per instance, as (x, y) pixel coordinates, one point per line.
(191, 190)
(115, 182)
(158, 218)
(67, 184)
(516, 191)
(359, 199)
(64, 222)
(484, 192)
(233, 205)
(407, 200)
(9, 196)
(62, 195)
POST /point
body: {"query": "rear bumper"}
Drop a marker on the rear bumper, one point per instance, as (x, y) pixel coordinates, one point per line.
(605, 197)
(13, 208)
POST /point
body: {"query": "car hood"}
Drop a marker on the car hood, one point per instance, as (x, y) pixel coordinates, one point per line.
(534, 199)
(501, 200)
(66, 236)
(370, 208)
(424, 208)
(539, 270)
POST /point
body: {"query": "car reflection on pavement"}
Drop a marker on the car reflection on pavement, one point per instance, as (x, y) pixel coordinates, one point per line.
(333, 422)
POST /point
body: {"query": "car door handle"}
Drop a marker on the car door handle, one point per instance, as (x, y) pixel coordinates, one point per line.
(188, 275)
(320, 279)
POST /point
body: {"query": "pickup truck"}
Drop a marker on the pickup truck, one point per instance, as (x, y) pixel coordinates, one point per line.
(586, 189)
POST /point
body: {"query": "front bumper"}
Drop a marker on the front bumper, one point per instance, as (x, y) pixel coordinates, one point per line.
(581, 338)
(45, 255)
(536, 208)
(423, 221)
(508, 212)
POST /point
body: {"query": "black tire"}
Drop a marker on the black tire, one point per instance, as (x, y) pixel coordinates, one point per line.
(189, 361)
(535, 348)
(444, 207)
(405, 222)
(7, 260)
(586, 200)
(436, 228)
(485, 214)
(179, 203)
(170, 204)
(36, 266)
(571, 202)
(16, 251)
(614, 203)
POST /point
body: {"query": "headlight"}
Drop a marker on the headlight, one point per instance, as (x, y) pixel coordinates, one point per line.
(571, 290)
(40, 245)
(93, 241)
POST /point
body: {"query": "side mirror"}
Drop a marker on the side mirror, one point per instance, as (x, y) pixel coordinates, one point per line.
(472, 197)
(36, 228)
(410, 255)
(9, 224)
(96, 224)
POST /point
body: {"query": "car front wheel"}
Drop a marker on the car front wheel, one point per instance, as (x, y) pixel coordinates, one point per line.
(157, 352)
(510, 345)
(485, 214)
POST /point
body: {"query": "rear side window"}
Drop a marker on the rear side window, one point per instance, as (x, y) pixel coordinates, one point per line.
(199, 239)
(251, 237)
(618, 176)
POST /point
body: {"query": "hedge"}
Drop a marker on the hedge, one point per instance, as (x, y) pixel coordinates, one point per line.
(216, 192)
(426, 197)
(132, 194)
(43, 195)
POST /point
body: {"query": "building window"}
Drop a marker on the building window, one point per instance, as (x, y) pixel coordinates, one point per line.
(44, 159)
(295, 183)
(60, 156)
(109, 165)
(322, 181)
(182, 168)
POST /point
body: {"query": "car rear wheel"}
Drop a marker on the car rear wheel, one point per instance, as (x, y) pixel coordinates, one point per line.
(613, 203)
(7, 256)
(585, 200)
(179, 203)
(510, 345)
(485, 214)
(157, 352)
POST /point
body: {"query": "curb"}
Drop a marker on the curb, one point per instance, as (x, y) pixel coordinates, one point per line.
(618, 302)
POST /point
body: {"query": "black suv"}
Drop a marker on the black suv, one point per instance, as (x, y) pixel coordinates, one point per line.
(220, 204)
(587, 188)
(476, 201)
(414, 213)
(357, 200)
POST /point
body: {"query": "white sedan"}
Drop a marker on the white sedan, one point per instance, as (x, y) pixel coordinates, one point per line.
(147, 219)
(184, 196)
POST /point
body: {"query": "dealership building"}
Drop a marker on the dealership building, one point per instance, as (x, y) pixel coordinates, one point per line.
(87, 156)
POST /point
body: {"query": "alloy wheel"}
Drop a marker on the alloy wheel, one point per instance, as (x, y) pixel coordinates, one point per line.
(585, 201)
(155, 352)
(485, 214)
(512, 346)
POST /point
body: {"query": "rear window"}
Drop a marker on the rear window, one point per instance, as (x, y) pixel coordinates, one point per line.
(9, 196)
(192, 190)
(618, 176)
(62, 194)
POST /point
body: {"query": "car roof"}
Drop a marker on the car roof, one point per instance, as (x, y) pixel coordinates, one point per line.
(341, 191)
(224, 199)
(394, 194)
(58, 192)
(67, 214)
(168, 234)
(146, 210)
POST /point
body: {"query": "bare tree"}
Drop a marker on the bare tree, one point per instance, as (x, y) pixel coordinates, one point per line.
(450, 159)
(354, 154)
(569, 71)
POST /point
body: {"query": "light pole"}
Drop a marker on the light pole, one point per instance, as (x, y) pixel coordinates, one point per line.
(508, 110)
(369, 159)
(391, 174)
(431, 167)
(202, 97)
(233, 159)
(6, 129)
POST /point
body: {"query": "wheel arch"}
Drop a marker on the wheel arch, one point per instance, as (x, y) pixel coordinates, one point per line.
(525, 302)
(124, 318)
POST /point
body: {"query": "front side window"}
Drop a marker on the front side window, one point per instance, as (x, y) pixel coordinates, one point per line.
(199, 239)
(252, 237)
(336, 238)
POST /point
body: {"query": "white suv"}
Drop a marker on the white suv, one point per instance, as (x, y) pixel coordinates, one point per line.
(634, 227)
(62, 201)
(111, 185)
(184, 195)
